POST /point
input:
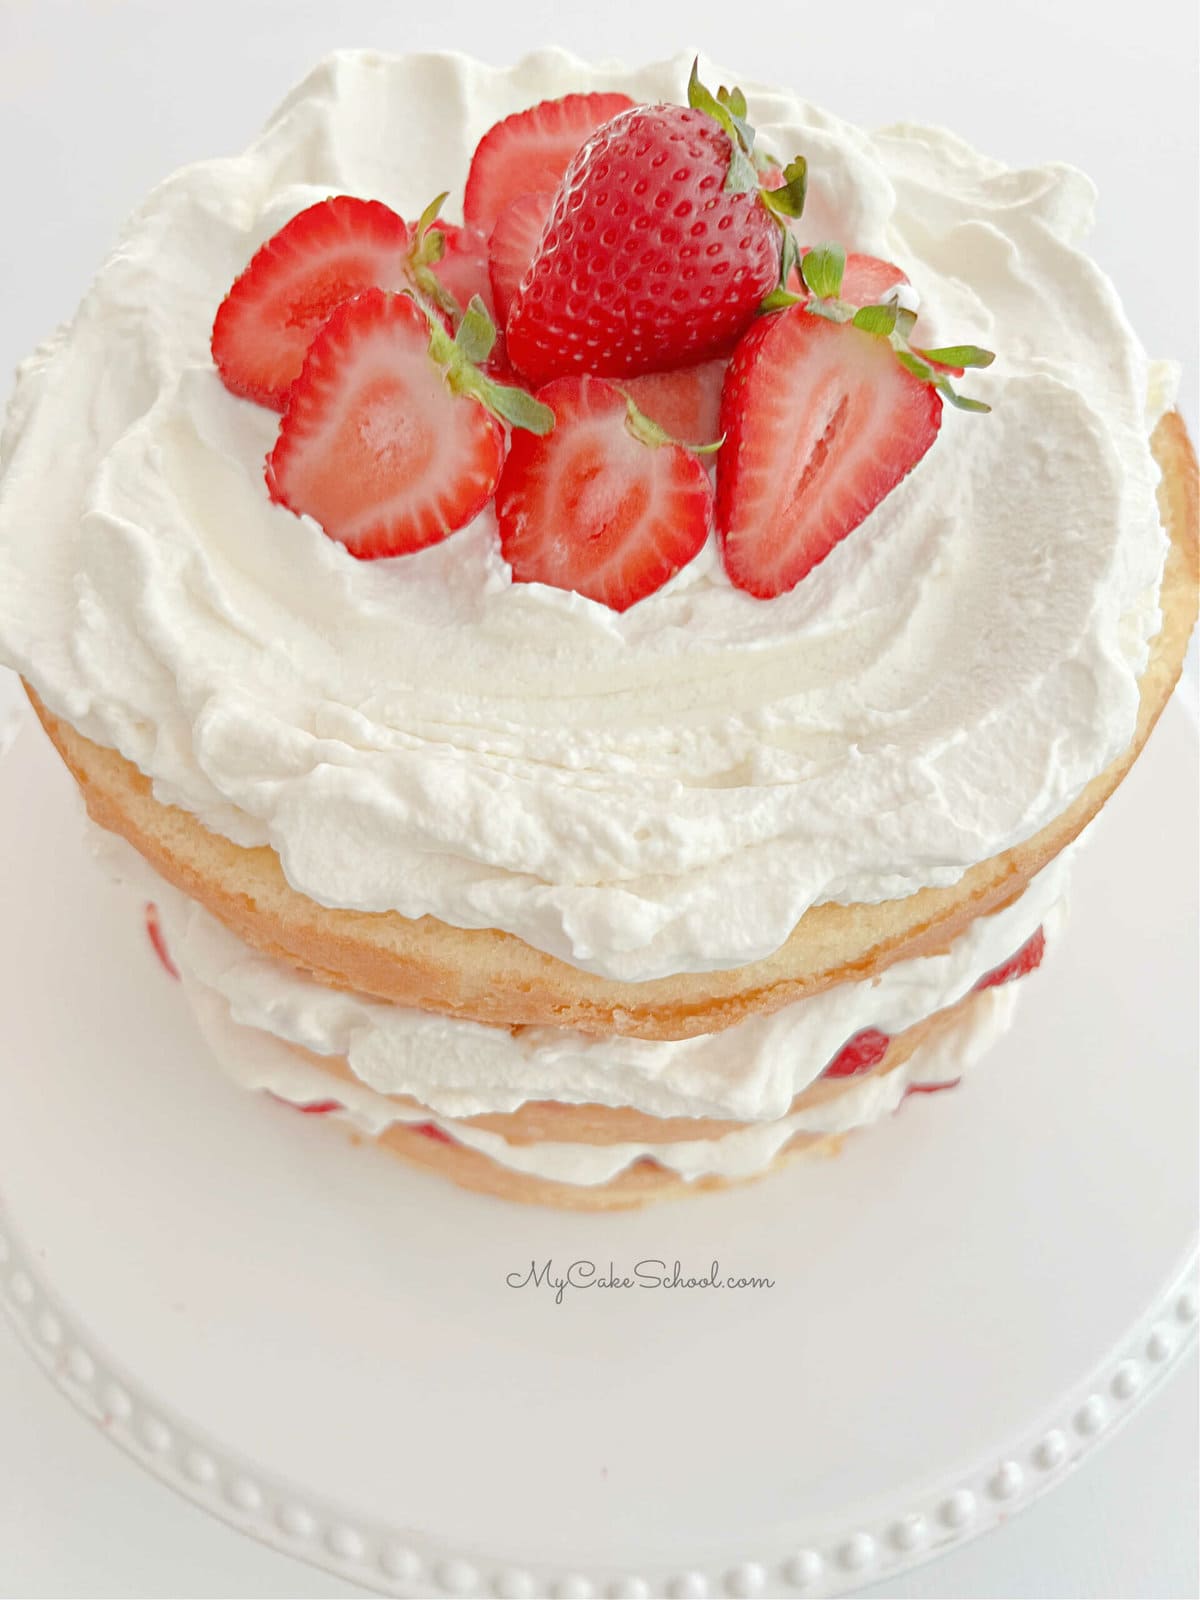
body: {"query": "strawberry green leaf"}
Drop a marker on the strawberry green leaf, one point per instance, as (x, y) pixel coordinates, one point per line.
(961, 401)
(822, 268)
(876, 319)
(646, 430)
(742, 178)
(517, 407)
(427, 219)
(779, 299)
(459, 357)
(788, 201)
(734, 99)
(960, 355)
(476, 333)
(917, 367)
(426, 250)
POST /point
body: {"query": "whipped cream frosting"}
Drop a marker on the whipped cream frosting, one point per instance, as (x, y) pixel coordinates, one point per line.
(750, 1072)
(257, 1060)
(664, 790)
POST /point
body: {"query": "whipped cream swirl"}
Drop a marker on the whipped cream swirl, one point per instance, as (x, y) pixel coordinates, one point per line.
(660, 791)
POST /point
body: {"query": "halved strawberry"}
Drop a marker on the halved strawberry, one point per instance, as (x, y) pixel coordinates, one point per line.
(511, 247)
(310, 1108)
(685, 403)
(821, 421)
(866, 280)
(928, 1088)
(864, 1051)
(604, 504)
(1026, 959)
(431, 1131)
(323, 256)
(463, 268)
(531, 150)
(154, 933)
(375, 443)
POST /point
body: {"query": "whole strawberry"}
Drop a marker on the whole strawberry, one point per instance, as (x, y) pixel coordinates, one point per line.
(659, 248)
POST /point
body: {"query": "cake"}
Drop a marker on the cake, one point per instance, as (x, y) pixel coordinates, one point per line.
(594, 863)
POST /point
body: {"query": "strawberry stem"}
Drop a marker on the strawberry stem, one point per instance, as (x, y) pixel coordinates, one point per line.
(426, 250)
(460, 358)
(647, 431)
(728, 109)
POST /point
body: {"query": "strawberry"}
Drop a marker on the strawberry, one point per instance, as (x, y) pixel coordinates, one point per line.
(431, 1131)
(821, 421)
(320, 258)
(1027, 959)
(157, 939)
(866, 280)
(462, 268)
(660, 246)
(531, 150)
(864, 1051)
(388, 440)
(310, 1108)
(686, 403)
(513, 243)
(605, 504)
(928, 1088)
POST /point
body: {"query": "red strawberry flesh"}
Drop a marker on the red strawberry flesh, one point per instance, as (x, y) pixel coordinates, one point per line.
(1026, 959)
(513, 244)
(463, 269)
(322, 257)
(686, 403)
(821, 422)
(374, 444)
(157, 939)
(531, 150)
(864, 1051)
(591, 508)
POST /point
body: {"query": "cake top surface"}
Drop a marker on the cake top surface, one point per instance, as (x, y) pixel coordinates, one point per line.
(658, 790)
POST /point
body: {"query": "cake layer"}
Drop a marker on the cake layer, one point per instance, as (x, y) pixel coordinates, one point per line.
(636, 796)
(494, 978)
(953, 1042)
(455, 1068)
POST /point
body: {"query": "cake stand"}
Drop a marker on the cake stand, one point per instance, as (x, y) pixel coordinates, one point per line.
(341, 1356)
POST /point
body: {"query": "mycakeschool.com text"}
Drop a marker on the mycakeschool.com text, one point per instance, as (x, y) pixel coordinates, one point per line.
(646, 1274)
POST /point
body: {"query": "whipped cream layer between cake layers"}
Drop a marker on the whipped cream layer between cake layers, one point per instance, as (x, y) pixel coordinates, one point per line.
(258, 1060)
(750, 1072)
(640, 794)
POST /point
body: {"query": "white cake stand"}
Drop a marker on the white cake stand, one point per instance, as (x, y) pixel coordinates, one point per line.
(319, 1345)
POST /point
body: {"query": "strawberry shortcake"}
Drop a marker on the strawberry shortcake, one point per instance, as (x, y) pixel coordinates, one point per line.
(592, 637)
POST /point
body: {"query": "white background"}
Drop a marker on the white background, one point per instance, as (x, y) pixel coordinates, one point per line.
(101, 98)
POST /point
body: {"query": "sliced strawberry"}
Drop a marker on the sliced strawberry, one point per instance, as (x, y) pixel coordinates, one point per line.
(821, 422)
(157, 939)
(511, 248)
(864, 1051)
(311, 1108)
(595, 506)
(1027, 958)
(928, 1088)
(531, 150)
(375, 444)
(866, 280)
(685, 403)
(320, 258)
(463, 269)
(432, 1131)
